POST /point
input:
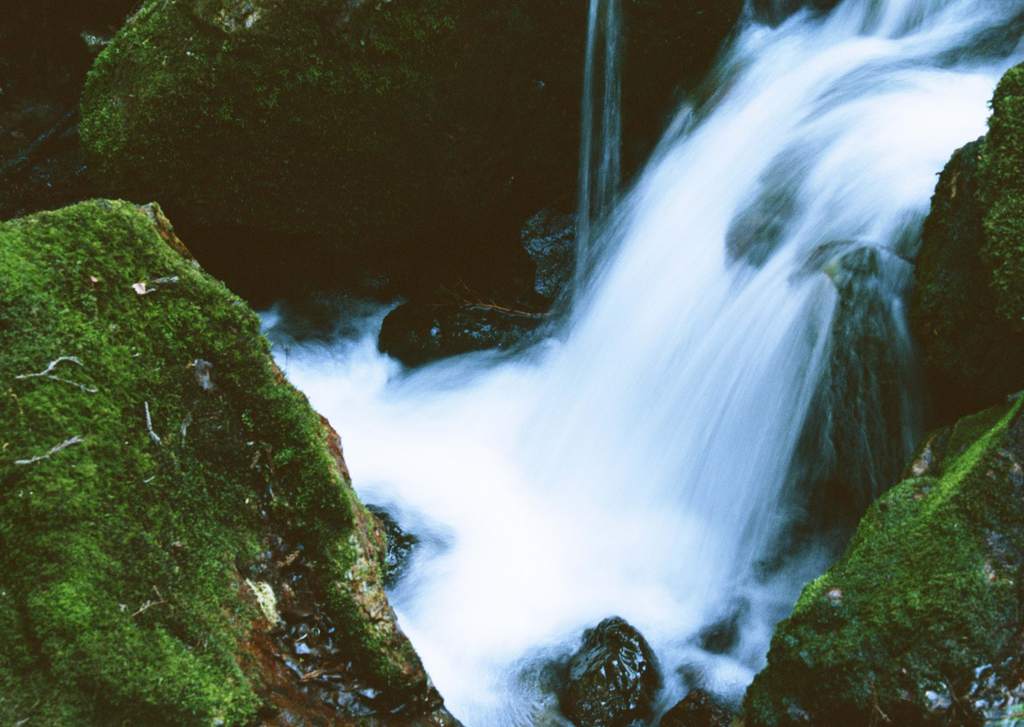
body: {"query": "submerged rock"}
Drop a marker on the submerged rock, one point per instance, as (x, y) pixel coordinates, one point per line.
(418, 333)
(967, 309)
(174, 553)
(926, 595)
(699, 709)
(613, 678)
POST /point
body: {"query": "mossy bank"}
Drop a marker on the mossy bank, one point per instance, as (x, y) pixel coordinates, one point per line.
(172, 510)
(920, 621)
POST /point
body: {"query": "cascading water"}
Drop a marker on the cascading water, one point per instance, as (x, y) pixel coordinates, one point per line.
(644, 465)
(601, 135)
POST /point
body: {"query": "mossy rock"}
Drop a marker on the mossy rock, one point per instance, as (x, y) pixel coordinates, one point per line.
(151, 459)
(342, 142)
(927, 593)
(967, 309)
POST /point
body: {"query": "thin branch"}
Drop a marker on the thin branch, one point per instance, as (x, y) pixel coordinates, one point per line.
(149, 426)
(149, 604)
(62, 446)
(503, 309)
(47, 373)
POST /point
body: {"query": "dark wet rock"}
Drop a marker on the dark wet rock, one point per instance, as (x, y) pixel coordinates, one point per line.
(549, 238)
(612, 679)
(863, 420)
(417, 333)
(399, 548)
(699, 709)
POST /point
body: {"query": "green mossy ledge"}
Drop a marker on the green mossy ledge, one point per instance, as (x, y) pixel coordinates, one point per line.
(928, 592)
(141, 480)
(967, 309)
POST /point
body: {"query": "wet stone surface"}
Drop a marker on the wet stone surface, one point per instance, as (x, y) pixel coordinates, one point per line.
(613, 678)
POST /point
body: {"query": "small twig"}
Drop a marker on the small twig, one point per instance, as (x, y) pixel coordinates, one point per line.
(63, 445)
(47, 373)
(503, 309)
(149, 604)
(149, 426)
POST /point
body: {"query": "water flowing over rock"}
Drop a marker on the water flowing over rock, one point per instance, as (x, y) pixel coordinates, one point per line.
(669, 416)
(613, 679)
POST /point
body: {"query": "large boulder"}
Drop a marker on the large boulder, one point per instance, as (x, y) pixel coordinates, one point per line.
(613, 678)
(179, 540)
(920, 621)
(327, 141)
(967, 309)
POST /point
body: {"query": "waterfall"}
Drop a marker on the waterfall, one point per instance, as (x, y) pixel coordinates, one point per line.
(601, 133)
(650, 462)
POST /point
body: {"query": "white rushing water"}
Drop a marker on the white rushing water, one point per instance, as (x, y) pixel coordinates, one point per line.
(638, 465)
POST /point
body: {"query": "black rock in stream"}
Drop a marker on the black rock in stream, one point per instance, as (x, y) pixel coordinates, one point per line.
(699, 709)
(613, 678)
(418, 333)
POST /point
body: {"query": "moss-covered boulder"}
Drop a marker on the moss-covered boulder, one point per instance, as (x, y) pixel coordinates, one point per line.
(967, 309)
(338, 142)
(920, 621)
(179, 540)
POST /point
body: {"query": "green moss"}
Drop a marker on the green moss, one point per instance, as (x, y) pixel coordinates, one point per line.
(119, 584)
(968, 306)
(1002, 170)
(926, 593)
